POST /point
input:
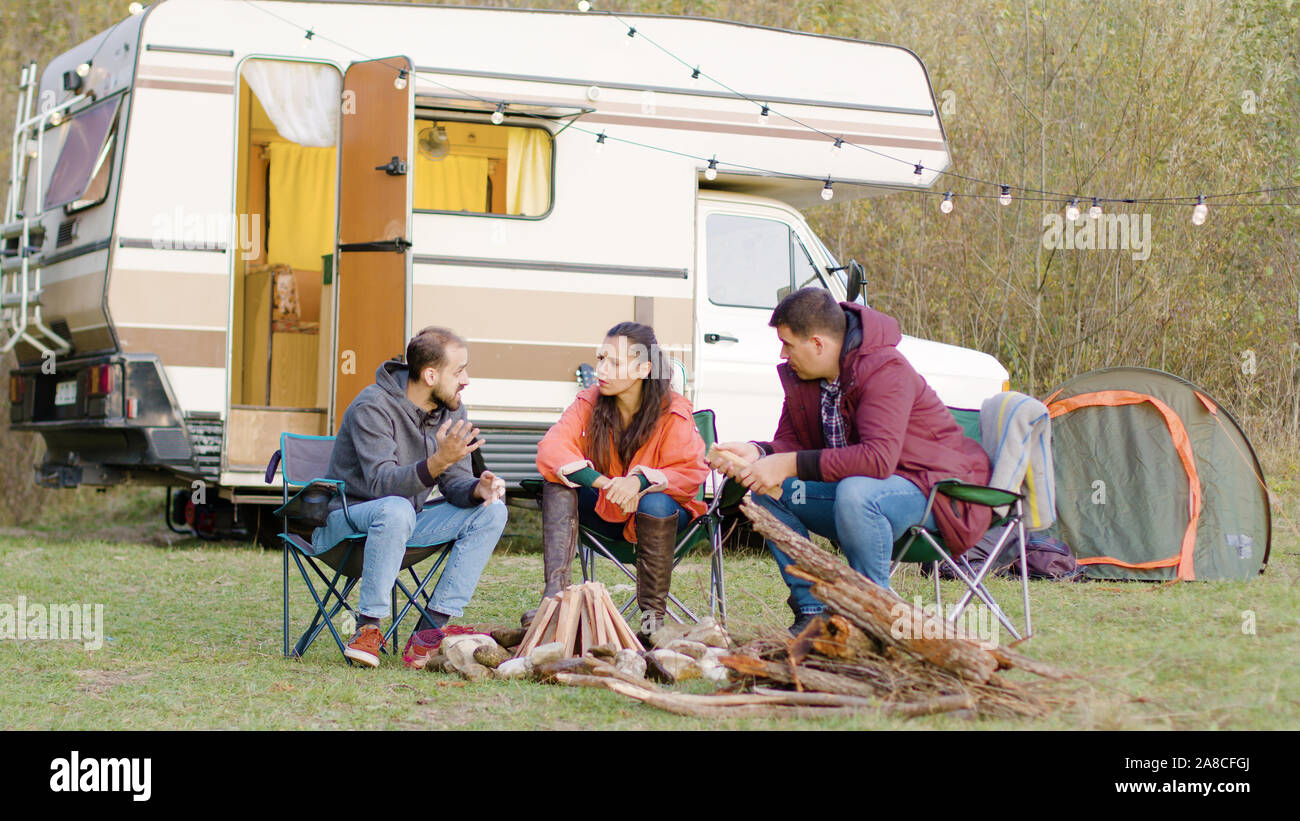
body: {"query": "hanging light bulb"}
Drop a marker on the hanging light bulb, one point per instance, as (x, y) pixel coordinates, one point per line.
(946, 205)
(83, 70)
(499, 116)
(695, 74)
(56, 118)
(918, 179)
(1094, 212)
(762, 114)
(399, 82)
(600, 142)
(631, 33)
(827, 191)
(837, 147)
(306, 39)
(584, 5)
(711, 173)
(1005, 197)
(1200, 212)
(134, 9)
(1072, 210)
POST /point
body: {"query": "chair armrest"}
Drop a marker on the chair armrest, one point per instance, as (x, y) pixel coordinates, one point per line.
(311, 503)
(977, 494)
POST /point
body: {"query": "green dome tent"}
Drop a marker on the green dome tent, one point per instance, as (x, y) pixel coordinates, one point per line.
(1155, 480)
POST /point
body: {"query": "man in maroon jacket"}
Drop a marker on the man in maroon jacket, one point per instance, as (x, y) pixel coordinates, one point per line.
(861, 441)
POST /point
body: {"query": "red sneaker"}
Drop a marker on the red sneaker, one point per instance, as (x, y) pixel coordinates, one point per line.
(365, 644)
(420, 647)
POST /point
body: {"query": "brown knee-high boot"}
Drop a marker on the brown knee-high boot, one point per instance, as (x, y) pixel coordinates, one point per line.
(655, 539)
(559, 539)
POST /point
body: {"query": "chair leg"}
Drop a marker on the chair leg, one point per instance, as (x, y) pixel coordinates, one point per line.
(284, 589)
(1024, 567)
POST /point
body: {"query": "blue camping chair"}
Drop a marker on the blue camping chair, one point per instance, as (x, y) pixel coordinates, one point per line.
(304, 461)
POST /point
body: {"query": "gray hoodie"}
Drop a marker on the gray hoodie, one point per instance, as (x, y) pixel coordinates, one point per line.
(384, 442)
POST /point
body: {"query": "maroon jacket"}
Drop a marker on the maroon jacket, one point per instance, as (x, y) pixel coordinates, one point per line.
(894, 424)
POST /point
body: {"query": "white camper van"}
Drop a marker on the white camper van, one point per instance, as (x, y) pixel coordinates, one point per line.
(223, 216)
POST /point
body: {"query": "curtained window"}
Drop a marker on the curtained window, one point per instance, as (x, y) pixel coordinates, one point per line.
(478, 168)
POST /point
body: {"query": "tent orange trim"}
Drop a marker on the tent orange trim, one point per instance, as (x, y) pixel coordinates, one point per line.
(1182, 444)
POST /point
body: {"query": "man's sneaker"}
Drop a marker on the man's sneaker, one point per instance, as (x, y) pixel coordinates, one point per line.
(364, 646)
(421, 646)
(801, 621)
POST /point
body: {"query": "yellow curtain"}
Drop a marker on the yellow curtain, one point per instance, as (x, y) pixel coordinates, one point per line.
(453, 183)
(528, 172)
(301, 204)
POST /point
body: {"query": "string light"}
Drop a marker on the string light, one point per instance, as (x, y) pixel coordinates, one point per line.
(762, 114)
(83, 70)
(919, 179)
(631, 32)
(600, 142)
(837, 147)
(711, 173)
(946, 205)
(1005, 197)
(1072, 210)
(1200, 212)
(306, 39)
(827, 191)
(695, 73)
(1095, 211)
(584, 5)
(399, 82)
(499, 116)
(134, 9)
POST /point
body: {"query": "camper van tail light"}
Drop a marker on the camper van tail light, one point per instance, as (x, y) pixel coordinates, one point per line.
(827, 191)
(1004, 198)
(946, 205)
(132, 408)
(1200, 212)
(15, 390)
(100, 382)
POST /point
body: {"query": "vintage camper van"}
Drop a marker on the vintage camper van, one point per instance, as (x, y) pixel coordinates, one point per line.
(223, 216)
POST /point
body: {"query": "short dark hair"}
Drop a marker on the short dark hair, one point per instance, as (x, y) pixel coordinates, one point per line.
(808, 311)
(428, 349)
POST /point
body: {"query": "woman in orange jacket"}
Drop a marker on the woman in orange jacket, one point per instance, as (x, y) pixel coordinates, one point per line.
(626, 461)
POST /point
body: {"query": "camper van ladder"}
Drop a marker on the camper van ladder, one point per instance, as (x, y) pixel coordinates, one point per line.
(22, 236)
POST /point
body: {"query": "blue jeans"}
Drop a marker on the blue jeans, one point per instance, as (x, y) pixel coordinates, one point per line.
(659, 505)
(391, 525)
(866, 516)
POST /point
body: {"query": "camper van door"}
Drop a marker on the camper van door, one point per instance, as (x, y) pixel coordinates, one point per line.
(749, 256)
(374, 232)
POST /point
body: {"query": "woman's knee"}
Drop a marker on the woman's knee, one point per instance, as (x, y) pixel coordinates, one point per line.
(659, 505)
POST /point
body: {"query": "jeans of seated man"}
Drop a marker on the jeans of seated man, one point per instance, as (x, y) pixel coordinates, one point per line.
(866, 516)
(659, 505)
(391, 525)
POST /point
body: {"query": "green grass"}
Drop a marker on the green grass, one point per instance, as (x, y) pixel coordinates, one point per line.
(193, 641)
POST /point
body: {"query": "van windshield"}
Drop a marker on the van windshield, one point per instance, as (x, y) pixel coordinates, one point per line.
(86, 149)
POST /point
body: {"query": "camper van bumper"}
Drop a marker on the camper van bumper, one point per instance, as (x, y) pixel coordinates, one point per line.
(104, 420)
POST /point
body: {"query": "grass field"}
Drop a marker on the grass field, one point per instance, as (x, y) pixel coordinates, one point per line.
(192, 641)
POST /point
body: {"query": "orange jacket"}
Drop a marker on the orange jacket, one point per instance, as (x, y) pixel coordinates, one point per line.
(672, 459)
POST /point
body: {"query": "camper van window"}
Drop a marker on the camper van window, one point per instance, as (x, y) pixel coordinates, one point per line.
(748, 260)
(478, 168)
(86, 151)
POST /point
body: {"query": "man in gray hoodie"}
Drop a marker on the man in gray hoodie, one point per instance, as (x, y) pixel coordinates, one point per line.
(400, 437)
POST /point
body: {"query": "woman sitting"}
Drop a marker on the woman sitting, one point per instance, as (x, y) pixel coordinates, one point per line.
(626, 461)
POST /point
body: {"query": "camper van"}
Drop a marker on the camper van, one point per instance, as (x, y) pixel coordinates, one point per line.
(223, 216)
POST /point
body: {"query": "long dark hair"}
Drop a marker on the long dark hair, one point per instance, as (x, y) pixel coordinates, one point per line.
(607, 423)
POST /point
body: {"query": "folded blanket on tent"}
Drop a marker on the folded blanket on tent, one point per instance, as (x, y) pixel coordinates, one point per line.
(1016, 431)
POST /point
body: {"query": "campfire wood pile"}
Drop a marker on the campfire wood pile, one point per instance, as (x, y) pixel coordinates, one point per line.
(580, 617)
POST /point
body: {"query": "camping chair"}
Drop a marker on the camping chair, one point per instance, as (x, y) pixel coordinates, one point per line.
(926, 546)
(303, 460)
(706, 528)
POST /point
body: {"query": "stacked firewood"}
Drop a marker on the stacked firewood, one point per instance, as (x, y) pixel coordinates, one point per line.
(580, 617)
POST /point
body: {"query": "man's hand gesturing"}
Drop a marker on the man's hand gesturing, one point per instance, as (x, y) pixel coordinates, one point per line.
(456, 440)
(490, 487)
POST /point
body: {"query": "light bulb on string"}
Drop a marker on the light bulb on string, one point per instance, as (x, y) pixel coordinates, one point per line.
(762, 114)
(399, 82)
(631, 33)
(946, 205)
(134, 9)
(917, 178)
(1072, 210)
(695, 76)
(600, 142)
(837, 147)
(1094, 211)
(83, 70)
(827, 191)
(711, 173)
(1200, 212)
(499, 116)
(584, 5)
(306, 39)
(1004, 198)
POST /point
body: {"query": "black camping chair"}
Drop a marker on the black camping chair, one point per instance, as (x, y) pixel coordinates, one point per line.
(303, 461)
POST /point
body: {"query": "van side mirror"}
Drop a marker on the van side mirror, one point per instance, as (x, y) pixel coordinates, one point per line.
(857, 280)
